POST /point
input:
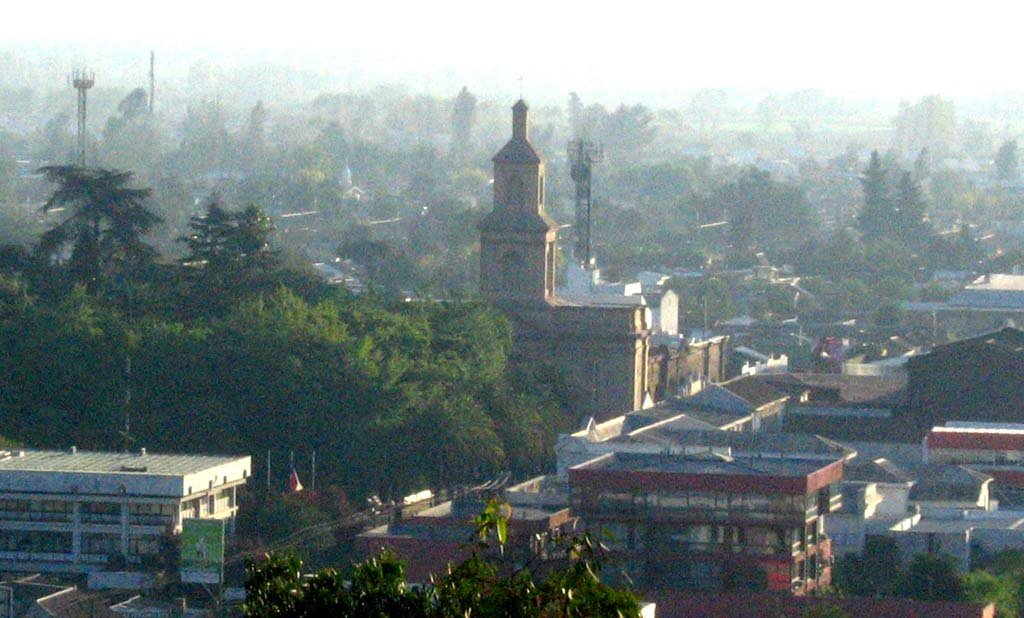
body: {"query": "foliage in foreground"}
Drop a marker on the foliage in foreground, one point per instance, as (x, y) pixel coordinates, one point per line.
(482, 585)
(876, 571)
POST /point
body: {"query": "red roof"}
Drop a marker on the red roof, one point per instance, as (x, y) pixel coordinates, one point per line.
(975, 440)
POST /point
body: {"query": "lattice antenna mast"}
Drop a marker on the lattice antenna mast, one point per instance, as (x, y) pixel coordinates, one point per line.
(152, 79)
(82, 81)
(582, 157)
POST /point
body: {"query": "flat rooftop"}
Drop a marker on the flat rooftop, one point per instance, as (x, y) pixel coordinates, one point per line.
(998, 281)
(702, 465)
(670, 435)
(26, 460)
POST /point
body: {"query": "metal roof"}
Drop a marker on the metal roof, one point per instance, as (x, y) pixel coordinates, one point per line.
(105, 462)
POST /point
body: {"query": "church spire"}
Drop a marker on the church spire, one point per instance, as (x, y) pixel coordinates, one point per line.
(520, 124)
(517, 238)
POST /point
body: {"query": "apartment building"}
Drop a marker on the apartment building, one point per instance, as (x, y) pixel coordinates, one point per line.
(75, 512)
(711, 522)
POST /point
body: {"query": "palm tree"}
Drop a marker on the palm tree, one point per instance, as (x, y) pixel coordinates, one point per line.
(104, 226)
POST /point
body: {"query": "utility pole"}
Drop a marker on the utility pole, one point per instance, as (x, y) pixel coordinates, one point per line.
(82, 81)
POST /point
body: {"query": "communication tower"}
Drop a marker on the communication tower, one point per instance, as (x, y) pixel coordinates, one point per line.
(582, 157)
(152, 79)
(82, 81)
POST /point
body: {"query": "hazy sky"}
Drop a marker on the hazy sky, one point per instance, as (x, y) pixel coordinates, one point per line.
(648, 49)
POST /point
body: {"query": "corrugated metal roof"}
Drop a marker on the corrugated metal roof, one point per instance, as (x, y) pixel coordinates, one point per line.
(103, 462)
(975, 439)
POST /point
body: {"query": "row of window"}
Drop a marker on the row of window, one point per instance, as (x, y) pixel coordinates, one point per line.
(11, 505)
(706, 537)
(41, 542)
(61, 543)
(704, 500)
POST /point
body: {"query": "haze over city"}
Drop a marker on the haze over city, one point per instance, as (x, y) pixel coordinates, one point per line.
(545, 309)
(649, 52)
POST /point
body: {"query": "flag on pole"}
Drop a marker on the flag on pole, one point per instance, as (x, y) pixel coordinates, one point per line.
(293, 481)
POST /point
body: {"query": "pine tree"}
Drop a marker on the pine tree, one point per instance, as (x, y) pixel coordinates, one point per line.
(876, 218)
(909, 206)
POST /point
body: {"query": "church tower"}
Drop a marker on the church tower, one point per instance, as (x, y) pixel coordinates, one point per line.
(517, 239)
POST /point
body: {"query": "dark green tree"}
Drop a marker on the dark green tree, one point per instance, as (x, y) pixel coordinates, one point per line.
(876, 218)
(229, 255)
(933, 577)
(1008, 161)
(762, 212)
(104, 227)
(909, 204)
(388, 270)
(874, 572)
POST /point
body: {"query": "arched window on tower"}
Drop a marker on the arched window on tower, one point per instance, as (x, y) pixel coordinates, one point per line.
(516, 191)
(513, 267)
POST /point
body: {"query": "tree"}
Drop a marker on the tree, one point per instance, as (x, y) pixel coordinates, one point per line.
(874, 572)
(708, 106)
(576, 122)
(482, 585)
(929, 123)
(229, 254)
(628, 130)
(932, 577)
(910, 224)
(1007, 161)
(762, 212)
(1003, 590)
(463, 118)
(387, 269)
(876, 216)
(105, 224)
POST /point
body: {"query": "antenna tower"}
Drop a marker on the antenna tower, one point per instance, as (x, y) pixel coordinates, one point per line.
(82, 81)
(152, 79)
(582, 156)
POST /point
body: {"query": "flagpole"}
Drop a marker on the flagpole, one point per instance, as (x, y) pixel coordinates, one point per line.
(312, 483)
(268, 469)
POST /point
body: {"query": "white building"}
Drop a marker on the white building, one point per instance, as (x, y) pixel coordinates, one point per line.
(74, 511)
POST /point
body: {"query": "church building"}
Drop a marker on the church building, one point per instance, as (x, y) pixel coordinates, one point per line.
(600, 345)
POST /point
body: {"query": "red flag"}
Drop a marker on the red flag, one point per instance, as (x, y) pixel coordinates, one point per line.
(293, 481)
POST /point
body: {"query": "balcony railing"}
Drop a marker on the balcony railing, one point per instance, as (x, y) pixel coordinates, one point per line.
(150, 520)
(101, 518)
(637, 511)
(41, 516)
(41, 556)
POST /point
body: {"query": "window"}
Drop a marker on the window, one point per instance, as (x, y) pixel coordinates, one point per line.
(513, 267)
(99, 544)
(516, 191)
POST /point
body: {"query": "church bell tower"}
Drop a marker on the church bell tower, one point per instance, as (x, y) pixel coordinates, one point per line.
(517, 238)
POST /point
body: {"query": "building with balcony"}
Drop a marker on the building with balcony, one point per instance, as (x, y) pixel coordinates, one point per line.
(711, 522)
(77, 512)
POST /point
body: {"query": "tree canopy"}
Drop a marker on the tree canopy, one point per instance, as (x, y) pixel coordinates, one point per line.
(481, 585)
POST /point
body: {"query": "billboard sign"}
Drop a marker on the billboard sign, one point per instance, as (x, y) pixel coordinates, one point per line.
(6, 602)
(202, 551)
